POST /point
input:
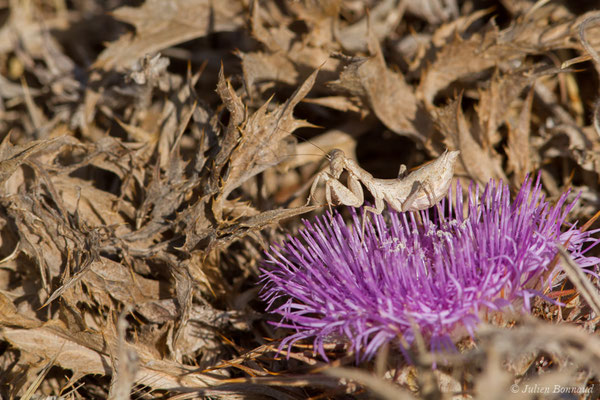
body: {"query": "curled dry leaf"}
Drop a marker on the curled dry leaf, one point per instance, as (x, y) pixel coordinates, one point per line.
(461, 58)
(518, 150)
(11, 157)
(479, 161)
(262, 136)
(385, 92)
(288, 56)
(382, 19)
(162, 24)
(53, 341)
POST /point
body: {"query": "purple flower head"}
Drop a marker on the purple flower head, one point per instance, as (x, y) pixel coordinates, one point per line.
(437, 271)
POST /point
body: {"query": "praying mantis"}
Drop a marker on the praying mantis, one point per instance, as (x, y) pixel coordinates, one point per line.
(418, 190)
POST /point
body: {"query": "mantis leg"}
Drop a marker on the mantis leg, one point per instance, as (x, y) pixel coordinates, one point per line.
(352, 196)
(336, 167)
(407, 205)
(378, 209)
(313, 187)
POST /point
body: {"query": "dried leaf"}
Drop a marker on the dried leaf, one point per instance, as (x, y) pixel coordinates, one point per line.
(255, 224)
(461, 59)
(434, 11)
(263, 67)
(162, 24)
(52, 341)
(10, 317)
(289, 56)
(381, 20)
(126, 368)
(386, 92)
(518, 149)
(11, 157)
(262, 143)
(480, 162)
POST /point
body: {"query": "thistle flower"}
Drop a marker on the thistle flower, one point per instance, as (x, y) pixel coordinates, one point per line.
(438, 272)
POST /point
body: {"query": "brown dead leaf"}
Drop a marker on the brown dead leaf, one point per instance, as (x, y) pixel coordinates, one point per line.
(10, 317)
(532, 33)
(518, 150)
(392, 100)
(277, 38)
(495, 101)
(23, 25)
(137, 292)
(46, 342)
(126, 364)
(461, 58)
(260, 67)
(480, 162)
(53, 341)
(261, 143)
(341, 103)
(36, 237)
(147, 225)
(161, 24)
(11, 156)
(434, 11)
(382, 19)
(94, 206)
(255, 224)
(237, 112)
(288, 56)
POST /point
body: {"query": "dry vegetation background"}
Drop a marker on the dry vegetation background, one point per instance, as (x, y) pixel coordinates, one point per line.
(150, 153)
